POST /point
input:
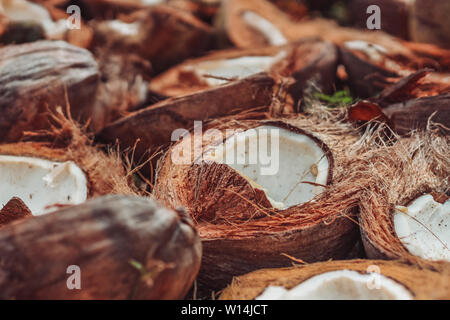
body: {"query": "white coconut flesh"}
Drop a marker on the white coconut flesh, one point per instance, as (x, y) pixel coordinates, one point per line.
(265, 27)
(216, 72)
(25, 11)
(341, 285)
(41, 184)
(277, 161)
(424, 228)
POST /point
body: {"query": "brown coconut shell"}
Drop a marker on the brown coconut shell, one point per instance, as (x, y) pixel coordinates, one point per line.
(398, 174)
(423, 283)
(42, 75)
(67, 142)
(126, 248)
(240, 231)
(309, 60)
(415, 114)
(166, 36)
(181, 112)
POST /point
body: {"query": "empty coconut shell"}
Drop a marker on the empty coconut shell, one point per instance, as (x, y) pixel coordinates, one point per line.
(369, 276)
(247, 219)
(309, 60)
(41, 75)
(124, 248)
(399, 175)
(63, 168)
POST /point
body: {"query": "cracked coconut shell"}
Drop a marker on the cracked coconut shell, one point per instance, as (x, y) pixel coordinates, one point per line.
(422, 283)
(125, 247)
(240, 228)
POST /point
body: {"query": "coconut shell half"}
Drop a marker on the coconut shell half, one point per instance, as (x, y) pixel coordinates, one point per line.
(423, 283)
(309, 60)
(240, 228)
(123, 247)
(74, 160)
(400, 173)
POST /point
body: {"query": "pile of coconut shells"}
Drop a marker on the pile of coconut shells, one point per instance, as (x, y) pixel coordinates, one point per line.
(235, 149)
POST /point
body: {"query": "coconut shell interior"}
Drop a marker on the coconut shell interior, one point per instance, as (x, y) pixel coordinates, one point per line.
(423, 283)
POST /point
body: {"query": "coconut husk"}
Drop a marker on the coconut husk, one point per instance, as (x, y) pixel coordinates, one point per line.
(125, 248)
(305, 61)
(14, 210)
(396, 174)
(239, 231)
(42, 75)
(423, 283)
(165, 36)
(181, 112)
(66, 141)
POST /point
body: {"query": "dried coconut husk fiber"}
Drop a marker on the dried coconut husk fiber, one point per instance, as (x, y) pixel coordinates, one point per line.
(423, 283)
(397, 174)
(239, 230)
